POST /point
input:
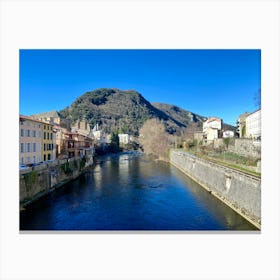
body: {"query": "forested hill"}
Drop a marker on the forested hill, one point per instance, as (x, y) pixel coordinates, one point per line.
(183, 116)
(126, 110)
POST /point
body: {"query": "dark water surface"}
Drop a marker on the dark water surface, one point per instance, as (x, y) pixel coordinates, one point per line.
(130, 192)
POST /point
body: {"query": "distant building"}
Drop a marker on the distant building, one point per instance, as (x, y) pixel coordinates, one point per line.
(228, 134)
(81, 127)
(124, 138)
(30, 140)
(212, 128)
(241, 125)
(52, 117)
(77, 145)
(253, 125)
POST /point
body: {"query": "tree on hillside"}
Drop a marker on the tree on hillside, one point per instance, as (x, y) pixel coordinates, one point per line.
(115, 142)
(154, 138)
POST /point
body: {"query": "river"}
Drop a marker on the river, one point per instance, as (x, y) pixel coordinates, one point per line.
(129, 191)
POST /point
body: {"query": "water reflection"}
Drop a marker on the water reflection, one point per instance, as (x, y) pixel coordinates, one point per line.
(131, 192)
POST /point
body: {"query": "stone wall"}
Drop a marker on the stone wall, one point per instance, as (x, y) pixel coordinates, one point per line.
(241, 146)
(240, 191)
(40, 180)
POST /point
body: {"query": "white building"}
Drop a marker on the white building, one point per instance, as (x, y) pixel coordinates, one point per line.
(253, 125)
(124, 138)
(211, 128)
(228, 134)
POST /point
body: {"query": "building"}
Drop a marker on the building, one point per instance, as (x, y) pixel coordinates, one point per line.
(228, 134)
(77, 145)
(81, 127)
(241, 125)
(124, 138)
(48, 142)
(212, 128)
(30, 140)
(53, 117)
(253, 125)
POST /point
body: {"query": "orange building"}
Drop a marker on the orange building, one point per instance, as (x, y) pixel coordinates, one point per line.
(77, 145)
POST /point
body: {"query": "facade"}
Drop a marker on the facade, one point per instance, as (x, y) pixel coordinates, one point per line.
(77, 145)
(212, 128)
(30, 140)
(81, 127)
(48, 142)
(124, 138)
(241, 125)
(228, 134)
(253, 125)
(53, 117)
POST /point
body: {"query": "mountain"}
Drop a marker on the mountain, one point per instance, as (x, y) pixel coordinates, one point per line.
(184, 117)
(126, 111)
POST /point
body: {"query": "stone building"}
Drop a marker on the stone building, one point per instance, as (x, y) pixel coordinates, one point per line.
(241, 125)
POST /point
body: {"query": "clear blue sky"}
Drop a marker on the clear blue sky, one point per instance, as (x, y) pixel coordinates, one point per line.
(219, 83)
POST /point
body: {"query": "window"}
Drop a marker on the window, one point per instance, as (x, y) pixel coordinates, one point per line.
(28, 159)
(51, 135)
(44, 147)
(39, 134)
(34, 147)
(34, 133)
(28, 133)
(48, 136)
(44, 157)
(44, 127)
(39, 125)
(21, 122)
(21, 161)
(22, 147)
(44, 135)
(34, 159)
(28, 147)
(49, 156)
(21, 132)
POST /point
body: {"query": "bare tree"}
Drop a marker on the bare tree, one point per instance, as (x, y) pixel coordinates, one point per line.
(154, 138)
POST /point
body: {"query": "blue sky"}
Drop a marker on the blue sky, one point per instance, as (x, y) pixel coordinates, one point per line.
(219, 83)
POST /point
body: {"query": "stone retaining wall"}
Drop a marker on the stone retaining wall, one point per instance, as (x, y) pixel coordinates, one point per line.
(242, 146)
(40, 180)
(240, 191)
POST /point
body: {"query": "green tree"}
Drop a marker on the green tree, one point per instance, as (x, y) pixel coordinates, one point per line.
(115, 142)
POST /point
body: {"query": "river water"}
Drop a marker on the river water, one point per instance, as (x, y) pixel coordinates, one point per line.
(131, 192)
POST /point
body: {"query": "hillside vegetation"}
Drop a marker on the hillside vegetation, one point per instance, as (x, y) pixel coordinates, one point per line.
(126, 111)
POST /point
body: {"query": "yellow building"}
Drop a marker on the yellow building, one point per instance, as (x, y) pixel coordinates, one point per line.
(48, 142)
(30, 140)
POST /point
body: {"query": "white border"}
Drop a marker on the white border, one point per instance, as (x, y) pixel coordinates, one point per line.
(154, 24)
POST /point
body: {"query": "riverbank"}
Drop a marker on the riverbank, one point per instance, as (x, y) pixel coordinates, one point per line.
(131, 191)
(240, 191)
(40, 180)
